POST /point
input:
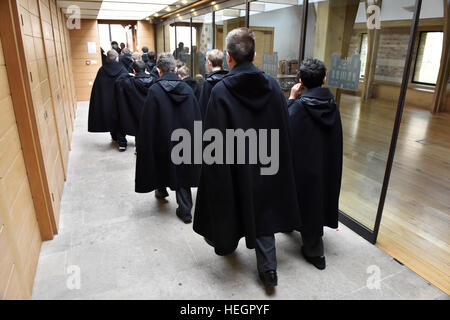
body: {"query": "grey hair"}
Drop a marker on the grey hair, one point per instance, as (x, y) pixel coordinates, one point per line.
(241, 44)
(183, 71)
(126, 51)
(136, 56)
(112, 55)
(166, 62)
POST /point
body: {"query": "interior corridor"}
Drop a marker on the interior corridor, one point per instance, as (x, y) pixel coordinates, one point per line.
(131, 246)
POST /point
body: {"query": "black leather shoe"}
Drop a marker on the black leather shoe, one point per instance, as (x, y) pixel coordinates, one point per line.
(185, 217)
(318, 262)
(161, 195)
(269, 278)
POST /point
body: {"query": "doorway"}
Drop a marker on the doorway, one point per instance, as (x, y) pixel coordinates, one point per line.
(119, 32)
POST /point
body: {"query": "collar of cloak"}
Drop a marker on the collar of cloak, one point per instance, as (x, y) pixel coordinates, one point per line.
(216, 76)
(190, 81)
(320, 105)
(144, 80)
(175, 88)
(250, 86)
(113, 68)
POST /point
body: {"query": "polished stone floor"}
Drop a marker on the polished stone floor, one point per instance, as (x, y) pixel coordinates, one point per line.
(116, 244)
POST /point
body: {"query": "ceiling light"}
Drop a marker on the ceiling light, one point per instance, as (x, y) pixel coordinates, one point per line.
(184, 1)
(168, 9)
(213, 3)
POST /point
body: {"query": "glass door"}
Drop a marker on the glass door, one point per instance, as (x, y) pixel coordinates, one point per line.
(366, 53)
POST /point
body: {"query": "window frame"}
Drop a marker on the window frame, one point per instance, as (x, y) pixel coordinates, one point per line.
(360, 49)
(416, 59)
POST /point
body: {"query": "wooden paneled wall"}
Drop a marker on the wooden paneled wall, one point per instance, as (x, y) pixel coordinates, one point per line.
(145, 35)
(85, 74)
(20, 240)
(37, 107)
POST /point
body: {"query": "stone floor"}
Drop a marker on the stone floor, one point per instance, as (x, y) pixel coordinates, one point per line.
(124, 245)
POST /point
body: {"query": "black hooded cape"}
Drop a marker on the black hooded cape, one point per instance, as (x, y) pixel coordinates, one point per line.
(131, 92)
(154, 72)
(235, 201)
(127, 62)
(102, 102)
(170, 104)
(194, 86)
(209, 83)
(316, 130)
(151, 63)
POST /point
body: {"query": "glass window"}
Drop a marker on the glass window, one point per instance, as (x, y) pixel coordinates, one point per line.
(159, 38)
(428, 57)
(202, 28)
(363, 53)
(367, 107)
(277, 28)
(184, 50)
(105, 39)
(114, 32)
(169, 38)
(227, 20)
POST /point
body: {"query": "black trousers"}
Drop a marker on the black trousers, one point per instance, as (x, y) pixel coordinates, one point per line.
(120, 138)
(184, 198)
(312, 245)
(266, 258)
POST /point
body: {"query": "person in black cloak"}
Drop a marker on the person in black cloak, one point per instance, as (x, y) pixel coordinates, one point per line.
(245, 200)
(145, 54)
(154, 72)
(131, 92)
(214, 60)
(102, 52)
(148, 58)
(115, 46)
(151, 63)
(178, 51)
(183, 73)
(102, 103)
(316, 129)
(126, 59)
(170, 105)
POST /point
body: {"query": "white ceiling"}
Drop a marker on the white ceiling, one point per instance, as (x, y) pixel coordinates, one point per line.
(115, 9)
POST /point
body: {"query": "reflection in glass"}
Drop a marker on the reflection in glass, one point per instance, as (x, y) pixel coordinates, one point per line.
(428, 57)
(227, 20)
(202, 28)
(368, 104)
(183, 50)
(277, 29)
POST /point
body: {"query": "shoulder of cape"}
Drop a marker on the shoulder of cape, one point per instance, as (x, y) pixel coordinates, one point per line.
(296, 107)
(219, 88)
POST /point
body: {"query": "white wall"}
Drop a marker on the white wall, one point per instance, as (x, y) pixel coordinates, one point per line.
(287, 25)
